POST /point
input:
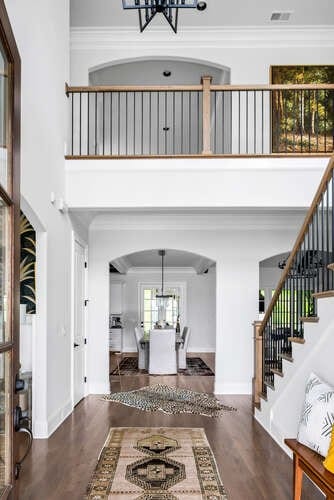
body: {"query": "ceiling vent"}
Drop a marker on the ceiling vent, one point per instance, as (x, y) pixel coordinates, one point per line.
(280, 16)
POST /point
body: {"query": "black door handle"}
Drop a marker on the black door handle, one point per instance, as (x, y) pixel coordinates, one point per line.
(21, 424)
(76, 345)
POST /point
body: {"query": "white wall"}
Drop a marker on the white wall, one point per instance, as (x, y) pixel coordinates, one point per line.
(41, 29)
(237, 254)
(247, 51)
(200, 306)
(166, 182)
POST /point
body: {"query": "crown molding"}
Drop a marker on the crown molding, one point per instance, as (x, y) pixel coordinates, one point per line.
(157, 270)
(261, 220)
(122, 264)
(97, 38)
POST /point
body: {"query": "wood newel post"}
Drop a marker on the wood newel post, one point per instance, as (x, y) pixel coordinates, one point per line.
(258, 347)
(206, 83)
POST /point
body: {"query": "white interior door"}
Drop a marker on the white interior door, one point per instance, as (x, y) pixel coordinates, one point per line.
(79, 323)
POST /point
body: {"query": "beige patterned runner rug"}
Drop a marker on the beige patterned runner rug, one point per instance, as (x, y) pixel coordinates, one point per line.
(157, 463)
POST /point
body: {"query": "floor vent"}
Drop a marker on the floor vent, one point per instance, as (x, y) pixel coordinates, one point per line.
(280, 16)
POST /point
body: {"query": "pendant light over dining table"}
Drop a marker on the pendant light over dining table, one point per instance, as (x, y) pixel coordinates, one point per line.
(163, 298)
(147, 10)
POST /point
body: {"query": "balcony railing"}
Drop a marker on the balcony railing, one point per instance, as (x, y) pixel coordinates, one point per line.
(201, 120)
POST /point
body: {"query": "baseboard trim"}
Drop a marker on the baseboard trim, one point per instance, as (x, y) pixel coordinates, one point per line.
(194, 350)
(275, 438)
(45, 428)
(233, 388)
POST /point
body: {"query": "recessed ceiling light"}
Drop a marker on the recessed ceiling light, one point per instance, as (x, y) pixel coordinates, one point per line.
(167, 73)
(280, 16)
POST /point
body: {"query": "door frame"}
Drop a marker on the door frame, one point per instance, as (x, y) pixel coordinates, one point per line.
(14, 126)
(76, 237)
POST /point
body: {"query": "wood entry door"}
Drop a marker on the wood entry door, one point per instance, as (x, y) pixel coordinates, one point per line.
(9, 255)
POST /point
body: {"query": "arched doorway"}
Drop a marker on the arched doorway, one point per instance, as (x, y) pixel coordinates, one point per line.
(135, 283)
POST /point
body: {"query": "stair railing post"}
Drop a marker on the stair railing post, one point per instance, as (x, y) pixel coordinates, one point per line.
(206, 84)
(258, 367)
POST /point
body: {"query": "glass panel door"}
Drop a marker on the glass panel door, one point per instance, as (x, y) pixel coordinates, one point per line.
(9, 252)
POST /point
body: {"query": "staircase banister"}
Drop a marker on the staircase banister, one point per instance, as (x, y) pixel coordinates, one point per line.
(306, 86)
(316, 200)
(134, 88)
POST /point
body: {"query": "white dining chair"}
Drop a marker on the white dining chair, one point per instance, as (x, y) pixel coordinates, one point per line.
(142, 357)
(162, 359)
(183, 348)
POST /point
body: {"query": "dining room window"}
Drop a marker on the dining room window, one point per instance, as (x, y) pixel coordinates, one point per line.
(149, 305)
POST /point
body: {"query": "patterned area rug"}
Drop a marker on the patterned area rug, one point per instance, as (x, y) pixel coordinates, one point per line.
(140, 463)
(170, 400)
(195, 366)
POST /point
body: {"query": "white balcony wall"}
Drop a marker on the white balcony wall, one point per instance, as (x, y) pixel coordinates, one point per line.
(214, 182)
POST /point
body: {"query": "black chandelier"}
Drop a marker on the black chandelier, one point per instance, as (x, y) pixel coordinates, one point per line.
(147, 9)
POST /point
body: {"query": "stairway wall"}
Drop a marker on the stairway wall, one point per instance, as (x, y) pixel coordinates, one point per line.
(280, 414)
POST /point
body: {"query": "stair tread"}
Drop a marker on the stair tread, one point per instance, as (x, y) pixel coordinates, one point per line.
(268, 384)
(309, 319)
(257, 405)
(320, 295)
(263, 396)
(331, 266)
(277, 372)
(296, 340)
(287, 357)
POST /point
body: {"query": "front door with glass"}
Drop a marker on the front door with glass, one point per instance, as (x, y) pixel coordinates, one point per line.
(9, 252)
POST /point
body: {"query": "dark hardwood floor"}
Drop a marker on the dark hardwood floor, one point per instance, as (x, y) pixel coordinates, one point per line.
(251, 464)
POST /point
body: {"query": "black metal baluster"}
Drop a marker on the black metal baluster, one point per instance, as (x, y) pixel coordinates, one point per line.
(247, 122)
(198, 118)
(158, 122)
(309, 124)
(103, 123)
(301, 120)
(126, 124)
(95, 123)
(316, 125)
(134, 123)
(215, 122)
(189, 103)
(174, 123)
(142, 123)
(166, 122)
(72, 132)
(239, 121)
(88, 121)
(80, 130)
(325, 116)
(182, 122)
(322, 244)
(119, 124)
(262, 121)
(150, 122)
(111, 125)
(254, 102)
(327, 262)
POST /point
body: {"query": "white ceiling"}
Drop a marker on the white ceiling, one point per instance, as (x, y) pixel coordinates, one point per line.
(219, 13)
(173, 258)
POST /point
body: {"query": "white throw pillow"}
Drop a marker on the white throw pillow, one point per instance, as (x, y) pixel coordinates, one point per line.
(317, 417)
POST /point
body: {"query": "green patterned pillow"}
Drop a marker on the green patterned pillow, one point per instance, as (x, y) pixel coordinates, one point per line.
(317, 417)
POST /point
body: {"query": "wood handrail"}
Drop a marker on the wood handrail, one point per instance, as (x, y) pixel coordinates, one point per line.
(300, 238)
(191, 88)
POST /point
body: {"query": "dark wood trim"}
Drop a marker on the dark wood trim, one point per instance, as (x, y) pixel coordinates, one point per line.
(14, 127)
(189, 88)
(6, 346)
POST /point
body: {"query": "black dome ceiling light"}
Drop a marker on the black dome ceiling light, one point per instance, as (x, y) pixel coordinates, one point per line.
(147, 9)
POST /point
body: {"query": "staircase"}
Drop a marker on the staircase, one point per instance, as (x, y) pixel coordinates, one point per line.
(297, 333)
